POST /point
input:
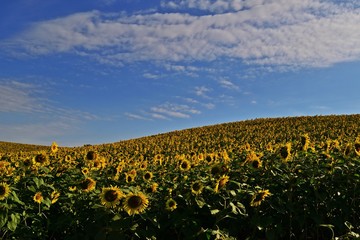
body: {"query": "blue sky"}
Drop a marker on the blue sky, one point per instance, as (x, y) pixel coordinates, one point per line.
(99, 71)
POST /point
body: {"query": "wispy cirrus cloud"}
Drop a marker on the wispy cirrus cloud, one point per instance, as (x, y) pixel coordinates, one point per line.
(293, 33)
(30, 99)
(225, 83)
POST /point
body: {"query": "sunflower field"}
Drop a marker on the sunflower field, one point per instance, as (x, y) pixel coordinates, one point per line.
(274, 178)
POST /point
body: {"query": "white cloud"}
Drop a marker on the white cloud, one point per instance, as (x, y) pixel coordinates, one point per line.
(293, 33)
(135, 116)
(19, 97)
(202, 91)
(225, 83)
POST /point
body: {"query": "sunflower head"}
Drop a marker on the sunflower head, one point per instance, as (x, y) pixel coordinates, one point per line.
(111, 196)
(196, 188)
(147, 176)
(135, 203)
(40, 159)
(54, 196)
(259, 197)
(170, 204)
(4, 190)
(88, 185)
(38, 197)
(54, 147)
(91, 155)
(184, 165)
(221, 183)
(285, 152)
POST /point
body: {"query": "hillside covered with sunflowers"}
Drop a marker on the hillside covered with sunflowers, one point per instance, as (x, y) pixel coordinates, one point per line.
(274, 178)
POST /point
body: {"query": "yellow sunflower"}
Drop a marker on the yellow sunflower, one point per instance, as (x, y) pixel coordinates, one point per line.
(4, 190)
(38, 198)
(184, 165)
(54, 196)
(111, 196)
(170, 204)
(258, 197)
(41, 159)
(135, 203)
(54, 147)
(221, 183)
(285, 152)
(88, 185)
(147, 176)
(196, 188)
(91, 155)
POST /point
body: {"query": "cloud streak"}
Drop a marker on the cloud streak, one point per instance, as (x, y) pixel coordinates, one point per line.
(295, 33)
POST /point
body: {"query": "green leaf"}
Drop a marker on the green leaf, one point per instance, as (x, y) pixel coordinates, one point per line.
(3, 219)
(15, 219)
(16, 198)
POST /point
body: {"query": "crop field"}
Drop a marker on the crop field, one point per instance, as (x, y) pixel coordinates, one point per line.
(274, 178)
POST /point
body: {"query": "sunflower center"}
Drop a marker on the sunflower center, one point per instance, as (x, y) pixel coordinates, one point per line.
(184, 165)
(255, 164)
(40, 158)
(284, 152)
(91, 155)
(2, 190)
(172, 204)
(135, 202)
(196, 187)
(111, 195)
(357, 147)
(147, 176)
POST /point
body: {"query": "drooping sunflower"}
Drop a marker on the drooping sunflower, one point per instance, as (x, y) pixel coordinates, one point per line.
(88, 185)
(197, 187)
(285, 152)
(38, 197)
(54, 196)
(152, 188)
(135, 203)
(110, 196)
(4, 190)
(259, 197)
(170, 204)
(221, 183)
(305, 141)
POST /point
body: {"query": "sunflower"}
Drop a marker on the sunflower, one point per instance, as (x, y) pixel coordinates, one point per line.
(54, 196)
(258, 197)
(170, 204)
(72, 188)
(129, 178)
(38, 198)
(88, 185)
(147, 176)
(305, 141)
(111, 196)
(152, 188)
(143, 165)
(54, 147)
(135, 203)
(91, 155)
(285, 152)
(4, 190)
(40, 159)
(196, 188)
(357, 147)
(256, 163)
(184, 165)
(221, 183)
(85, 171)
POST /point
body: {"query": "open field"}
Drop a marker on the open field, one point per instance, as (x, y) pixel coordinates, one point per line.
(276, 178)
